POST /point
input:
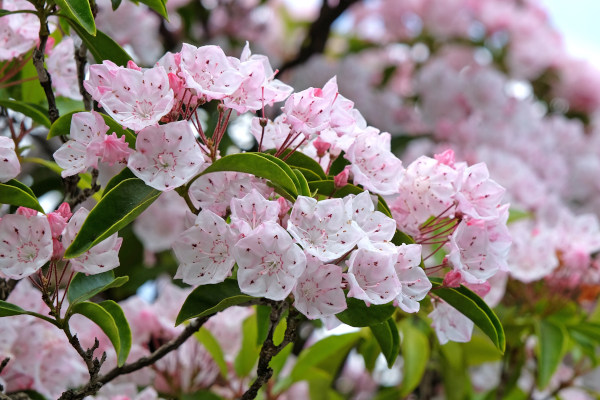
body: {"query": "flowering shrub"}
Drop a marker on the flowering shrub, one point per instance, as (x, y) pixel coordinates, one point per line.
(317, 224)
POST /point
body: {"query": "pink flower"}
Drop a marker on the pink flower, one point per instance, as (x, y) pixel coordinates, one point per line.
(204, 251)
(318, 292)
(372, 276)
(269, 262)
(376, 225)
(101, 77)
(25, 244)
(308, 111)
(324, 229)
(252, 210)
(208, 72)
(135, 99)
(58, 221)
(9, 162)
(479, 197)
(166, 156)
(101, 258)
(373, 165)
(450, 324)
(110, 148)
(63, 69)
(18, 32)
(415, 284)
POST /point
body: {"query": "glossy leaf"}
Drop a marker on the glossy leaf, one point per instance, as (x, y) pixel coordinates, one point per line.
(61, 126)
(158, 6)
(28, 109)
(474, 308)
(81, 12)
(331, 346)
(552, 340)
(388, 338)
(83, 287)
(359, 315)
(303, 188)
(101, 46)
(262, 323)
(116, 210)
(15, 193)
(257, 165)
(115, 4)
(302, 161)
(103, 319)
(123, 327)
(8, 309)
(210, 299)
(415, 353)
(211, 344)
(118, 178)
(286, 168)
(246, 359)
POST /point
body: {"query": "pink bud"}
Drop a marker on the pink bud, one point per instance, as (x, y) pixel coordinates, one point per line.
(447, 157)
(27, 212)
(284, 207)
(57, 223)
(132, 65)
(65, 210)
(481, 289)
(453, 279)
(341, 179)
(321, 146)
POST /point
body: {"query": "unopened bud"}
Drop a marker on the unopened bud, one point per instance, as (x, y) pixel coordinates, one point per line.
(341, 179)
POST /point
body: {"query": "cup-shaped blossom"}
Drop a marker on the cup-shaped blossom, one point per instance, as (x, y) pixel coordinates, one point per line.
(166, 156)
(25, 244)
(269, 262)
(138, 99)
(100, 78)
(324, 229)
(479, 196)
(372, 276)
(373, 165)
(478, 248)
(101, 258)
(9, 162)
(252, 210)
(450, 324)
(377, 226)
(208, 72)
(318, 292)
(204, 251)
(415, 284)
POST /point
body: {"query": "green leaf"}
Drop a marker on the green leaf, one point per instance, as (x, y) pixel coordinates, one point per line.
(388, 338)
(330, 347)
(115, 210)
(211, 344)
(303, 189)
(118, 178)
(84, 287)
(15, 193)
(62, 126)
(302, 161)
(123, 327)
(480, 350)
(210, 299)
(588, 329)
(327, 188)
(257, 165)
(115, 4)
(551, 345)
(454, 371)
(262, 323)
(359, 315)
(5, 12)
(474, 308)
(286, 168)
(82, 13)
(8, 309)
(415, 352)
(246, 359)
(27, 109)
(101, 46)
(102, 318)
(158, 6)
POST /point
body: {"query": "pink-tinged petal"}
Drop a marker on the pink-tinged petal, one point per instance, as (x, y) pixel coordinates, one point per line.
(9, 162)
(204, 251)
(166, 156)
(415, 284)
(269, 262)
(450, 324)
(373, 164)
(25, 244)
(101, 258)
(110, 149)
(100, 79)
(324, 229)
(372, 276)
(479, 196)
(72, 158)
(318, 292)
(252, 210)
(377, 226)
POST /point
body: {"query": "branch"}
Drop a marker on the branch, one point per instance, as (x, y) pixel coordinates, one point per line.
(269, 350)
(42, 72)
(317, 35)
(96, 382)
(6, 286)
(81, 61)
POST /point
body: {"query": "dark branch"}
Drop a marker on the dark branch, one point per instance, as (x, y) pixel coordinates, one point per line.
(270, 350)
(81, 61)
(97, 381)
(42, 72)
(6, 286)
(317, 35)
